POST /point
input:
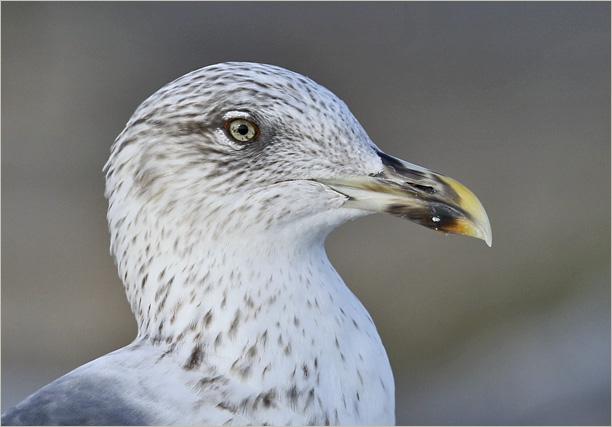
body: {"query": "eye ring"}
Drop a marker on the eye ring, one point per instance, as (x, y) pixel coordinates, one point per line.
(242, 130)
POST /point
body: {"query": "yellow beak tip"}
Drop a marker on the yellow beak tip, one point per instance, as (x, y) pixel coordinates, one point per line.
(476, 224)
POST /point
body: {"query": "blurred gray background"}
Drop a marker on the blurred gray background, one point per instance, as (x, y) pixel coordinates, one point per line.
(511, 99)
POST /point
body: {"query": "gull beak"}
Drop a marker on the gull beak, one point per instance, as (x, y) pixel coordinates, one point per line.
(419, 195)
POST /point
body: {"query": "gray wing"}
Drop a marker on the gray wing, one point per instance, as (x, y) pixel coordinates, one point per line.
(76, 400)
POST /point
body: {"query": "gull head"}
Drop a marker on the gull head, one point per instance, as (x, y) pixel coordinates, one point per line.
(244, 149)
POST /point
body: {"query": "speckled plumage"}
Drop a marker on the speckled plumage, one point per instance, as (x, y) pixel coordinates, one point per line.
(241, 317)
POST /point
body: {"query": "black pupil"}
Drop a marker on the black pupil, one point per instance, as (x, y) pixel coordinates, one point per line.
(243, 129)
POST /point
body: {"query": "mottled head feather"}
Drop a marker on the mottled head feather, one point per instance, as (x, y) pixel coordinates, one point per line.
(178, 183)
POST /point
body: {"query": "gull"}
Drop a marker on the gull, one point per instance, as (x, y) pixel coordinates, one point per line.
(222, 189)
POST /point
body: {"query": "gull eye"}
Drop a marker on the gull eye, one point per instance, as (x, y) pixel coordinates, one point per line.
(242, 130)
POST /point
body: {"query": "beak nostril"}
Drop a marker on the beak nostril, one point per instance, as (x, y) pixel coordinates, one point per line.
(425, 188)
